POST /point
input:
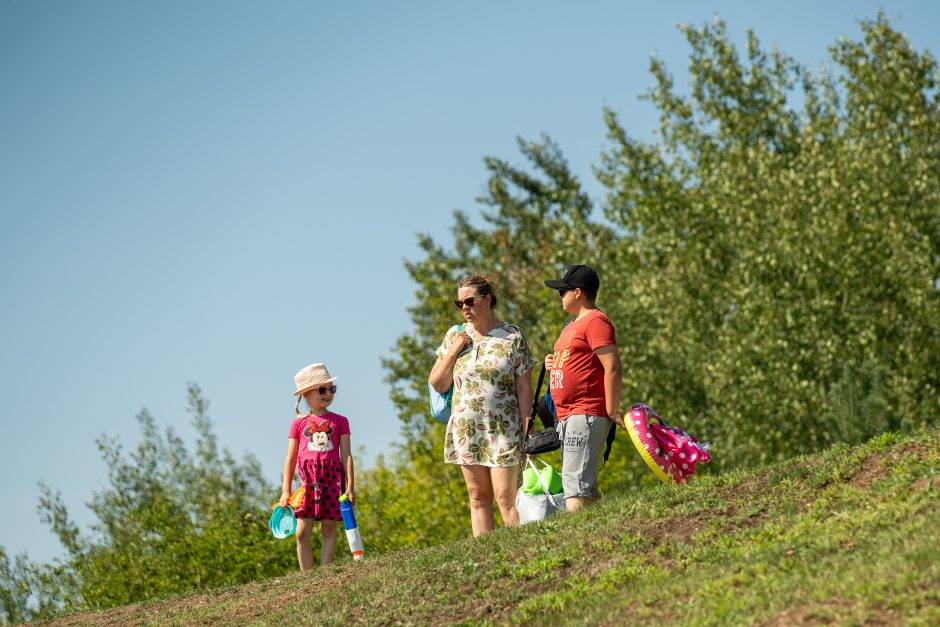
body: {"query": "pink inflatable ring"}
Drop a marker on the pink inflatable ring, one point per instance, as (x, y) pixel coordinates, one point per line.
(638, 425)
(669, 452)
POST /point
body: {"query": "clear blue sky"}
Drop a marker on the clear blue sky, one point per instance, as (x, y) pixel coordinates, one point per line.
(224, 191)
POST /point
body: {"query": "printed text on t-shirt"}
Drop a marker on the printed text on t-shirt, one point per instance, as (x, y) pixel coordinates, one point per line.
(559, 358)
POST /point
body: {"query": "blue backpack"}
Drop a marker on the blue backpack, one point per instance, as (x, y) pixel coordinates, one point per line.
(440, 403)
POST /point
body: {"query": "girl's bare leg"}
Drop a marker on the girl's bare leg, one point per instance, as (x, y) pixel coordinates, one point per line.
(304, 550)
(328, 550)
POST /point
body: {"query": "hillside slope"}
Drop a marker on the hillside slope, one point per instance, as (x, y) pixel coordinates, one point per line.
(849, 536)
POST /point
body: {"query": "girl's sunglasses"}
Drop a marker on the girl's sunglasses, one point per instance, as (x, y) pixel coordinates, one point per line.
(469, 301)
(323, 390)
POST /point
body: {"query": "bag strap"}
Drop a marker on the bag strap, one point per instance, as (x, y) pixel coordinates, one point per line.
(450, 390)
(535, 399)
(538, 390)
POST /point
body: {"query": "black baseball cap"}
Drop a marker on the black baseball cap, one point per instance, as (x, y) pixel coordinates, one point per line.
(580, 276)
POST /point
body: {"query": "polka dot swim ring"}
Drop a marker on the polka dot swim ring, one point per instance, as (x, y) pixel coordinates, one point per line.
(669, 452)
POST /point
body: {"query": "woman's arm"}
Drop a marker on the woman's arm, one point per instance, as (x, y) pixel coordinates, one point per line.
(442, 374)
(524, 396)
(288, 477)
(348, 465)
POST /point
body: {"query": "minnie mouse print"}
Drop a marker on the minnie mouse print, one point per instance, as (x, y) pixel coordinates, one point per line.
(319, 437)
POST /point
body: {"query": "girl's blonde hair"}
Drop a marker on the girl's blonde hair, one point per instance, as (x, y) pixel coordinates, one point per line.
(483, 286)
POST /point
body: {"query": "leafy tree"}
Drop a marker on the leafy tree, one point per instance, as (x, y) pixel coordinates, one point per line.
(770, 262)
(171, 521)
(532, 219)
(15, 583)
(783, 250)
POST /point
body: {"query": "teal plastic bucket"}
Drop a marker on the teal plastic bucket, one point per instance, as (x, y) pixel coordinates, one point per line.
(283, 524)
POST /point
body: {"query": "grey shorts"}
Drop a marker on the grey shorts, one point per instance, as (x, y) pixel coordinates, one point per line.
(583, 439)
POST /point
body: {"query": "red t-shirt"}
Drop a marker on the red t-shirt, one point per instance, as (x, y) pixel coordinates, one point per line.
(319, 436)
(576, 379)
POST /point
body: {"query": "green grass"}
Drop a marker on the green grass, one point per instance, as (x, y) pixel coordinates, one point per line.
(846, 537)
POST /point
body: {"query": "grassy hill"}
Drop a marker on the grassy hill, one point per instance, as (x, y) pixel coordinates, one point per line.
(850, 536)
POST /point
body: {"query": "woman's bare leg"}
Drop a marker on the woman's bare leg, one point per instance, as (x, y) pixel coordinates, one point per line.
(480, 491)
(505, 483)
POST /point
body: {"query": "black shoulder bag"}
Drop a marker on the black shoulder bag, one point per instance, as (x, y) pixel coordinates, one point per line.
(545, 440)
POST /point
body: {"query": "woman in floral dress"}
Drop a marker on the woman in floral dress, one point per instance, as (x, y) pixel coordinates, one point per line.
(489, 364)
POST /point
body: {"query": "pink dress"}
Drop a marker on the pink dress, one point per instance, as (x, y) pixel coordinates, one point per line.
(319, 465)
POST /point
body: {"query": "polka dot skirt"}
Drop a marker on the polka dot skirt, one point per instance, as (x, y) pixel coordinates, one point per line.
(325, 482)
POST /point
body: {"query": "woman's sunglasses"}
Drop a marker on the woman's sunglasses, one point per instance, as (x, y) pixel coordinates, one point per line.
(330, 388)
(469, 301)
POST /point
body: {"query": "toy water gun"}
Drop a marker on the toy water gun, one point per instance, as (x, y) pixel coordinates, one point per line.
(352, 529)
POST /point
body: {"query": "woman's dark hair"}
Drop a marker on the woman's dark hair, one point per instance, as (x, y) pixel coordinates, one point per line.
(483, 286)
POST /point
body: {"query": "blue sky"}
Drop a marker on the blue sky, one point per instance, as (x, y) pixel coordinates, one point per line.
(224, 192)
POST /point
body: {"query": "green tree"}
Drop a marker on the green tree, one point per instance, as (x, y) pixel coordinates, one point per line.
(770, 262)
(170, 521)
(534, 214)
(782, 249)
(15, 583)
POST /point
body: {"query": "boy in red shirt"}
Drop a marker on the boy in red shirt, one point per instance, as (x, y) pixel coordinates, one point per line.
(584, 379)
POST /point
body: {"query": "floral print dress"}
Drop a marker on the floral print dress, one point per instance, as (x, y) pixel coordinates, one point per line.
(485, 425)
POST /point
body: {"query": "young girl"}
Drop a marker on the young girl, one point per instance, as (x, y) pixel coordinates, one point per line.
(318, 446)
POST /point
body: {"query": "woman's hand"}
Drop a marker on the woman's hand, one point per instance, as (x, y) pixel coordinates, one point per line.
(441, 377)
(461, 341)
(549, 361)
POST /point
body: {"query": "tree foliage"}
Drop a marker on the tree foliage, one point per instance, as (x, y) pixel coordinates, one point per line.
(784, 250)
(770, 262)
(20, 597)
(170, 521)
(531, 221)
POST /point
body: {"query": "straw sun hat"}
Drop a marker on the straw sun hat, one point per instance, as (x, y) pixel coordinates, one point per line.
(310, 377)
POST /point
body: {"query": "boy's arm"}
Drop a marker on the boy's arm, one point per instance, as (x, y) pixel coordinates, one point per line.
(610, 360)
